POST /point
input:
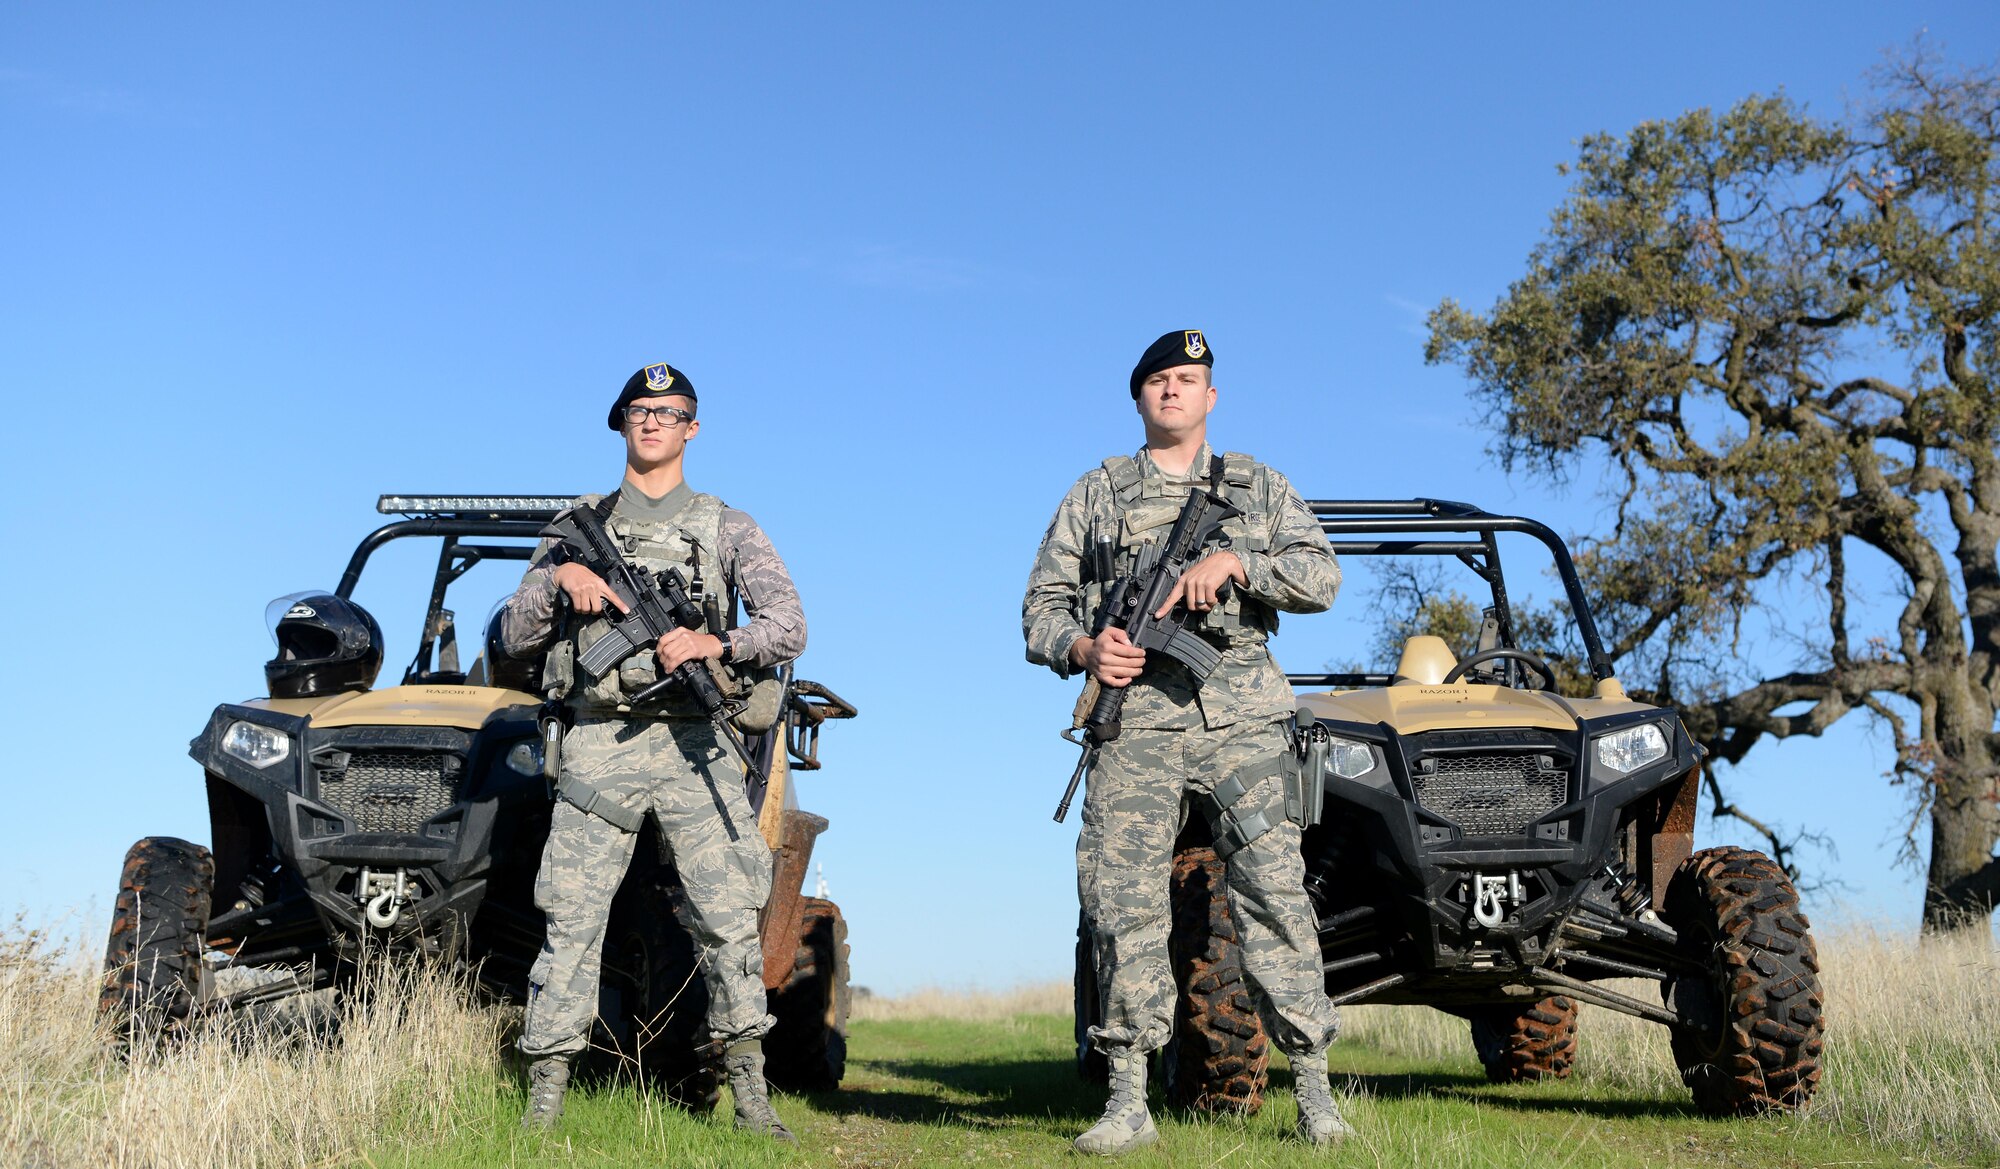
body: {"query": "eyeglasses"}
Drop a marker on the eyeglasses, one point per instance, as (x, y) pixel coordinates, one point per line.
(668, 416)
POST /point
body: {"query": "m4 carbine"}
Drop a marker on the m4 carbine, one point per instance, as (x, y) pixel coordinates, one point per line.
(1129, 604)
(655, 605)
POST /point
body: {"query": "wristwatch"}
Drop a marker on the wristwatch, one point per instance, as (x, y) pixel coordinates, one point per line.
(728, 650)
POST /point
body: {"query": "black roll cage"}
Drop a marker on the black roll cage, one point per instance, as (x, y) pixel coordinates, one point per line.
(454, 559)
(807, 705)
(1420, 519)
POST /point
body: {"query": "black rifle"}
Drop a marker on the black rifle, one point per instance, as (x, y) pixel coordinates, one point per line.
(1130, 604)
(655, 605)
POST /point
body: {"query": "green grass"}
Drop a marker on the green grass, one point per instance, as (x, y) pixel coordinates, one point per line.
(959, 1092)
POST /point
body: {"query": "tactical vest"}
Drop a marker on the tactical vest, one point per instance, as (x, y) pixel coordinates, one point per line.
(691, 542)
(1144, 513)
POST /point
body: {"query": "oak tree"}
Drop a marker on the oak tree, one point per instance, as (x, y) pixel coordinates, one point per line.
(1776, 331)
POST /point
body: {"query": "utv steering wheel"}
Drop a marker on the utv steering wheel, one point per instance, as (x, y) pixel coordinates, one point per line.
(1503, 653)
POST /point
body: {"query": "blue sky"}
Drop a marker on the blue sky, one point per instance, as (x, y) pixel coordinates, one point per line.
(263, 264)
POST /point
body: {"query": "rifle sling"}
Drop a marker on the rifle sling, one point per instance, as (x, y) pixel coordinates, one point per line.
(599, 803)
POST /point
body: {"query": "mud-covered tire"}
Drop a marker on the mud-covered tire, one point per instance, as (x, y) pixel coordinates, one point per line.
(152, 962)
(1757, 1048)
(807, 1050)
(1219, 1057)
(1524, 1046)
(652, 999)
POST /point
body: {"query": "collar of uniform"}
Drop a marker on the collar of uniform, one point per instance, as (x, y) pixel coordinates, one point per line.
(1197, 471)
(645, 509)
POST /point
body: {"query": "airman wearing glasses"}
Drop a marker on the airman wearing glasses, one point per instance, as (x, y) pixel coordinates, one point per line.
(620, 765)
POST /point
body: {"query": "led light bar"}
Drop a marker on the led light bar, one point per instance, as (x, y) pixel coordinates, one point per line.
(493, 506)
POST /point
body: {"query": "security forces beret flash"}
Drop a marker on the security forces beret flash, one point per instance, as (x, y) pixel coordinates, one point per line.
(1181, 347)
(651, 382)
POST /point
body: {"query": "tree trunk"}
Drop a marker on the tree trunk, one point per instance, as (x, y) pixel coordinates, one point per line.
(1964, 883)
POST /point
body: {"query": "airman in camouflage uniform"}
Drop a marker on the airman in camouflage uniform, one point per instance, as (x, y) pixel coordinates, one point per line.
(1218, 744)
(620, 765)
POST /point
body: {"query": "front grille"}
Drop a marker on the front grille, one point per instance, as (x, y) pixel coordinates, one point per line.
(1491, 795)
(391, 791)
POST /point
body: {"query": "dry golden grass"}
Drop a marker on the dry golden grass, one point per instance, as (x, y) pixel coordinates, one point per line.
(245, 1098)
(932, 1003)
(1912, 1045)
(1912, 1060)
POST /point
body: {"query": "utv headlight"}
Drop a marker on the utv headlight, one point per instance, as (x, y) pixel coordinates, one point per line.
(526, 757)
(1628, 750)
(1349, 759)
(259, 746)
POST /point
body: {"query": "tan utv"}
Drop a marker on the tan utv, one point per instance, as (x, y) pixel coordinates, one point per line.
(348, 819)
(1485, 844)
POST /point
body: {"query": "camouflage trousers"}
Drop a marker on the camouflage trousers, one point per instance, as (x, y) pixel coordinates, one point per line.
(1140, 792)
(674, 770)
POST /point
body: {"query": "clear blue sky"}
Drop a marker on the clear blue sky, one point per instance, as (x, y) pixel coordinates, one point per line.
(263, 263)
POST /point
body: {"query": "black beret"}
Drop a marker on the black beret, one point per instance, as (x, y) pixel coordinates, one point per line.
(650, 382)
(1181, 347)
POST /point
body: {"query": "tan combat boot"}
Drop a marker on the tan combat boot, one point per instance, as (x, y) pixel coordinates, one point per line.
(745, 1065)
(1319, 1116)
(548, 1079)
(1126, 1125)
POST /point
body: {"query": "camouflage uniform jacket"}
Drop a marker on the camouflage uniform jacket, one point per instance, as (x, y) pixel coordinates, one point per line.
(734, 558)
(1287, 564)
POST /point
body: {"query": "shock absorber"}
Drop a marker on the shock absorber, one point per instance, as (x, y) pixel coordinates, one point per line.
(1632, 898)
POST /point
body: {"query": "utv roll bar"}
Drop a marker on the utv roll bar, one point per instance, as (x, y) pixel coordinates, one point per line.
(1420, 521)
(453, 517)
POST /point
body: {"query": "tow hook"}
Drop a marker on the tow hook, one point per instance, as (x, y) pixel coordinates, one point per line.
(385, 895)
(1490, 896)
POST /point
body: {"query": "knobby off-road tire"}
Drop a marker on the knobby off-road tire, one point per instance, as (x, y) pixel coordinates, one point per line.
(1518, 1046)
(1738, 914)
(1219, 1057)
(807, 1050)
(152, 963)
(653, 1001)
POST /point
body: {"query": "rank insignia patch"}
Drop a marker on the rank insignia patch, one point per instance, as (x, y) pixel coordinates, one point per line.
(1196, 346)
(660, 377)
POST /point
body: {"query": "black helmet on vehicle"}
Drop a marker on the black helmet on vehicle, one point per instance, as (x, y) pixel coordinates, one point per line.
(503, 668)
(325, 645)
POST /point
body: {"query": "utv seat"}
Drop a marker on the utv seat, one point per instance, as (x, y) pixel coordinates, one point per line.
(1425, 661)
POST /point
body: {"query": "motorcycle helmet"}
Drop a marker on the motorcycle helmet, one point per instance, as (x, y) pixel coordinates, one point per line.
(325, 645)
(503, 668)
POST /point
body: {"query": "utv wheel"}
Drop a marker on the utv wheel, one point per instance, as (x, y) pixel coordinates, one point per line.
(807, 1050)
(1752, 1043)
(1219, 1056)
(1525, 1046)
(152, 963)
(654, 1002)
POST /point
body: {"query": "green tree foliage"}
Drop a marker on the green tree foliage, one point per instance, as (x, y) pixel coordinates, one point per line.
(1779, 331)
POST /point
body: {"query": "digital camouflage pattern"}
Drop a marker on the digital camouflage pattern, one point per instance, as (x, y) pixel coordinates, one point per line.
(675, 770)
(1124, 862)
(1286, 563)
(775, 633)
(1181, 738)
(667, 764)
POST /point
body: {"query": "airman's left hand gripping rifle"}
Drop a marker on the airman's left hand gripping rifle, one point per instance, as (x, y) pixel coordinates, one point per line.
(1129, 604)
(655, 605)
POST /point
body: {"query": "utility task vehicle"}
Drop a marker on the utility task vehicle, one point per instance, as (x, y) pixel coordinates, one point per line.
(1504, 852)
(409, 820)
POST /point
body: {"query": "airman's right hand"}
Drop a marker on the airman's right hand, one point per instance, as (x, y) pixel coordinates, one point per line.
(1110, 657)
(587, 591)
